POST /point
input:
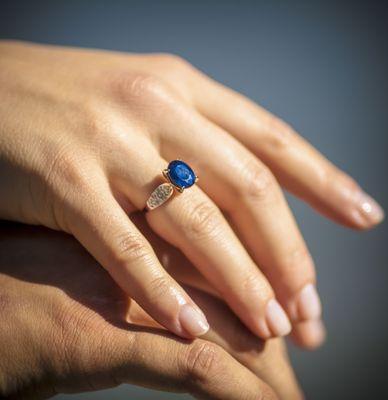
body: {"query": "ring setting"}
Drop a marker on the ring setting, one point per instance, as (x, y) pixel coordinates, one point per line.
(179, 176)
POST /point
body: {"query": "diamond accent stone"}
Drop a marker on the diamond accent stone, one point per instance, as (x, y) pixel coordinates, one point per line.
(160, 195)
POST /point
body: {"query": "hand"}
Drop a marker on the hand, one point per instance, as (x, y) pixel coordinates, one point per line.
(84, 137)
(66, 327)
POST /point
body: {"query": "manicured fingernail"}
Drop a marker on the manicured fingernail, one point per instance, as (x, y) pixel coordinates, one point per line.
(277, 319)
(192, 321)
(369, 208)
(309, 304)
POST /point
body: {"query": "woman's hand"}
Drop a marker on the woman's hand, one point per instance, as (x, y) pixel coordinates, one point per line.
(66, 327)
(84, 136)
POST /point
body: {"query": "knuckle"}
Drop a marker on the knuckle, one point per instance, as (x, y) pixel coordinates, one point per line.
(69, 325)
(266, 393)
(146, 85)
(178, 73)
(95, 123)
(299, 256)
(278, 134)
(204, 220)
(138, 87)
(66, 169)
(174, 62)
(203, 362)
(254, 284)
(298, 259)
(74, 340)
(159, 288)
(130, 248)
(67, 178)
(257, 182)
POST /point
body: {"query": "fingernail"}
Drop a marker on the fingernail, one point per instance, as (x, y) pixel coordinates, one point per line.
(192, 321)
(277, 319)
(315, 333)
(309, 304)
(369, 208)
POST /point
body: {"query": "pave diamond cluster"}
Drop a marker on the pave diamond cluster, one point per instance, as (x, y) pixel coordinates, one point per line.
(161, 194)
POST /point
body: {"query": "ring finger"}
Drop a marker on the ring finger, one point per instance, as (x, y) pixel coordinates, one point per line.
(192, 222)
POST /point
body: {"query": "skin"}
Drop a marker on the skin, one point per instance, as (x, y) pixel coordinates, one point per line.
(84, 136)
(75, 330)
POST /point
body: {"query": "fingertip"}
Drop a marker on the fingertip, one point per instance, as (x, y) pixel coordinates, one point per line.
(370, 211)
(309, 334)
(361, 211)
(193, 322)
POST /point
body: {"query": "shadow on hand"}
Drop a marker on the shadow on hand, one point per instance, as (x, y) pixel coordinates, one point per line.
(42, 256)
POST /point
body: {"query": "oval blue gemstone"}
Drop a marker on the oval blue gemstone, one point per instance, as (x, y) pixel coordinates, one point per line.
(181, 174)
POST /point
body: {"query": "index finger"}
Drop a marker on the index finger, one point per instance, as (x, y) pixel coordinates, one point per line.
(153, 359)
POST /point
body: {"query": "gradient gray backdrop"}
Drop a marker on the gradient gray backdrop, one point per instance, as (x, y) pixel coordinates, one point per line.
(323, 68)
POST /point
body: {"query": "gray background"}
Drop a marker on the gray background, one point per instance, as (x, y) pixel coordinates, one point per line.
(323, 68)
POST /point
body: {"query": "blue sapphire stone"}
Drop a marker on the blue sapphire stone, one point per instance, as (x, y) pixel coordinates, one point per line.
(181, 174)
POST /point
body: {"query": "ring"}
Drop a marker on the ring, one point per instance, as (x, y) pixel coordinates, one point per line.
(179, 176)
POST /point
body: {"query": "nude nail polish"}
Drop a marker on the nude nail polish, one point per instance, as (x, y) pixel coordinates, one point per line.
(277, 319)
(369, 208)
(192, 321)
(309, 304)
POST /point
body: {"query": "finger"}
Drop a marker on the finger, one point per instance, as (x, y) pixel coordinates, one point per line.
(172, 259)
(268, 360)
(192, 222)
(299, 167)
(305, 334)
(155, 360)
(195, 225)
(247, 191)
(105, 230)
